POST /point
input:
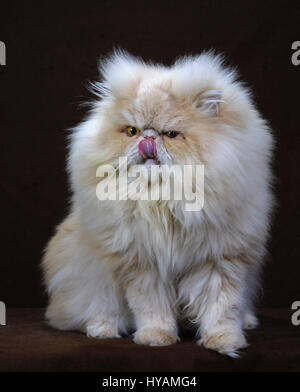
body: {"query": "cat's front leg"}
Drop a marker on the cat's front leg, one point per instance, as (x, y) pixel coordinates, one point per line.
(215, 293)
(153, 305)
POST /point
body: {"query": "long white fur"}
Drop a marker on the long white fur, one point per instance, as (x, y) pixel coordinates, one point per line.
(117, 265)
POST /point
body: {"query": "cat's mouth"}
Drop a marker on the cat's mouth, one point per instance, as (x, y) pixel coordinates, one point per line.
(147, 150)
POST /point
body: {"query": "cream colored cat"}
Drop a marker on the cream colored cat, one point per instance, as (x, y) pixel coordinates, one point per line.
(122, 264)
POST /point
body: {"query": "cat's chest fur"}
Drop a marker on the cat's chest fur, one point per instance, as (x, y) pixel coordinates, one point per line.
(151, 233)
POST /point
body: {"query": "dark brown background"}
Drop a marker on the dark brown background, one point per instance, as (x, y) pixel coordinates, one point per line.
(52, 51)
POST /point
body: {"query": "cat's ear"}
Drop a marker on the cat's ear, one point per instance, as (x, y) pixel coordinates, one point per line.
(120, 73)
(209, 102)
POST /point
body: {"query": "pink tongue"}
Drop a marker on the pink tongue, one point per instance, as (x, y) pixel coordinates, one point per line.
(147, 148)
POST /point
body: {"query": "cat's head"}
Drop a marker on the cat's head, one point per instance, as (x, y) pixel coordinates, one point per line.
(155, 114)
(192, 112)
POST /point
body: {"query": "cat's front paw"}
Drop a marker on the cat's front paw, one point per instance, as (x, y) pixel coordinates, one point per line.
(225, 342)
(155, 337)
(102, 330)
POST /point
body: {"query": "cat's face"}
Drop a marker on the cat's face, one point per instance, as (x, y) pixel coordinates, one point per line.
(151, 125)
(188, 114)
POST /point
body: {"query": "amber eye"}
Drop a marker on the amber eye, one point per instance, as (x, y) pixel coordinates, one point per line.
(133, 131)
(172, 134)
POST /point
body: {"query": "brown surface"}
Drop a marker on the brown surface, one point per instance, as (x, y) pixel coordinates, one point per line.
(26, 344)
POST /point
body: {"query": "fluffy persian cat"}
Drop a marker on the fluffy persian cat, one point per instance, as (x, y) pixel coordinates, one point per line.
(120, 265)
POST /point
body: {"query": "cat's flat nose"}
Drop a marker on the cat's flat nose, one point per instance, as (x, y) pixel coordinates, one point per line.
(150, 133)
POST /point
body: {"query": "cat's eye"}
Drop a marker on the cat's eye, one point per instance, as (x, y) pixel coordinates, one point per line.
(133, 131)
(172, 134)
